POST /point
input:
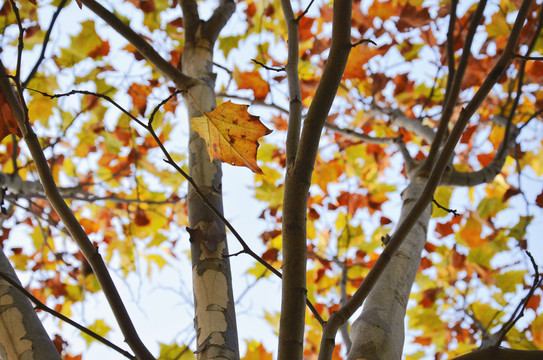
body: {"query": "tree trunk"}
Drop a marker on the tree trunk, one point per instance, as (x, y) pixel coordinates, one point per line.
(378, 333)
(22, 336)
(215, 318)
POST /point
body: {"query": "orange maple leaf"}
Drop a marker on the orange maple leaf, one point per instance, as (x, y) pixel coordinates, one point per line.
(231, 134)
(139, 94)
(252, 80)
(8, 124)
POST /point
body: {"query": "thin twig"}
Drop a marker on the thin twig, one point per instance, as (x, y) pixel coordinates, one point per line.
(304, 12)
(363, 41)
(20, 45)
(85, 92)
(525, 57)
(519, 311)
(45, 43)
(452, 211)
(281, 69)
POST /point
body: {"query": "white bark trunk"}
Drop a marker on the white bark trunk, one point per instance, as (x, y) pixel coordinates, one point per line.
(378, 333)
(215, 318)
(22, 336)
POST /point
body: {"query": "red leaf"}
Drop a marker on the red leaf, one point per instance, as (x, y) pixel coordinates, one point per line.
(8, 125)
(17, 250)
(539, 200)
(466, 135)
(139, 94)
(141, 218)
(384, 220)
(31, 30)
(512, 191)
(423, 340)
(429, 297)
(412, 17)
(446, 228)
(101, 50)
(59, 343)
(148, 6)
(485, 159)
(6, 8)
(270, 255)
(429, 247)
(534, 301)
(304, 28)
(458, 260)
(251, 10)
(534, 71)
(425, 263)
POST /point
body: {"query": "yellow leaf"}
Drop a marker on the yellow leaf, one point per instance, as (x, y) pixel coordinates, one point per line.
(508, 281)
(231, 134)
(40, 109)
(273, 320)
(442, 196)
(99, 327)
(175, 351)
(256, 351)
(537, 331)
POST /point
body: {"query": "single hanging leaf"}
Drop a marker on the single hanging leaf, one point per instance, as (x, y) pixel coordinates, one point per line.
(231, 134)
(8, 124)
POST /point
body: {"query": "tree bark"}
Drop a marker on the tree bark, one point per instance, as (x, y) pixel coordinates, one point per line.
(378, 333)
(215, 318)
(22, 336)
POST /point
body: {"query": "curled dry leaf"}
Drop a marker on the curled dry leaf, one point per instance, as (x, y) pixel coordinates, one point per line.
(231, 134)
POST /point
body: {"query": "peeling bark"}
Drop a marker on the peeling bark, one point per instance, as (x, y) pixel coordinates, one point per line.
(215, 318)
(22, 336)
(378, 333)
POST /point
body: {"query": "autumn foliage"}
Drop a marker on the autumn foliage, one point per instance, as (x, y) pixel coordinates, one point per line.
(106, 144)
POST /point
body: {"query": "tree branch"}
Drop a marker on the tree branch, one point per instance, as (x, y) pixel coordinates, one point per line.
(450, 46)
(213, 26)
(396, 116)
(455, 87)
(294, 89)
(45, 43)
(191, 19)
(180, 80)
(356, 135)
(519, 311)
(490, 171)
(297, 181)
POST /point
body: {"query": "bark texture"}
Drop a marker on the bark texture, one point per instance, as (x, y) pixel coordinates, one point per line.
(378, 333)
(215, 318)
(22, 336)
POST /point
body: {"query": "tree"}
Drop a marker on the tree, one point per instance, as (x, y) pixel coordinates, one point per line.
(465, 137)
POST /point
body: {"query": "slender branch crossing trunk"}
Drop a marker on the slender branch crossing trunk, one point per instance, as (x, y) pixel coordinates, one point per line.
(378, 333)
(22, 335)
(215, 318)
